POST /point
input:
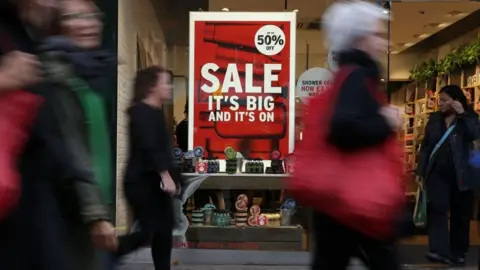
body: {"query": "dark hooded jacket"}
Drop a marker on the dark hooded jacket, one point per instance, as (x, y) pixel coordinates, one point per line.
(461, 144)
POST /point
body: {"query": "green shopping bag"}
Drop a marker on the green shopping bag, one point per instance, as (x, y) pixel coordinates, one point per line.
(420, 212)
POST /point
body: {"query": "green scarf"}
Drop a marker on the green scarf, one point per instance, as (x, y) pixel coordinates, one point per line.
(98, 135)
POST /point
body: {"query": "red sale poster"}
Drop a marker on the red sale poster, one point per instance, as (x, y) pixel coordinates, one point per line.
(242, 82)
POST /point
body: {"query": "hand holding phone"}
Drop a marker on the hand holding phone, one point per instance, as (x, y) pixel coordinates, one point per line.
(457, 107)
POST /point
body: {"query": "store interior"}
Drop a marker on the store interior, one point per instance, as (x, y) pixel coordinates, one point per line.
(432, 43)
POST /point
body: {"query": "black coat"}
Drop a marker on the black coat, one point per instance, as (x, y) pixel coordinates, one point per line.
(461, 140)
(356, 123)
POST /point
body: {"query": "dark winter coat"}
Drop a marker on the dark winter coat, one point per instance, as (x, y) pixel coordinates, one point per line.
(461, 140)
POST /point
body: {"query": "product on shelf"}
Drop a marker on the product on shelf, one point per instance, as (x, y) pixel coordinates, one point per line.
(254, 166)
(255, 210)
(198, 152)
(241, 206)
(177, 154)
(276, 166)
(197, 217)
(201, 166)
(289, 204)
(230, 153)
(289, 163)
(221, 218)
(208, 210)
(286, 212)
(252, 221)
(231, 160)
(241, 218)
(188, 162)
(262, 220)
(213, 166)
(273, 219)
(241, 214)
(242, 197)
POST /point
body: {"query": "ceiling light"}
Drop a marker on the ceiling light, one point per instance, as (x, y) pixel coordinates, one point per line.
(422, 36)
(456, 14)
(407, 44)
(431, 25)
(394, 52)
(295, 10)
(443, 25)
(225, 9)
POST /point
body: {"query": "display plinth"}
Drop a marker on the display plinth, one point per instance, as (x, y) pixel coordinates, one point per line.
(286, 238)
(241, 181)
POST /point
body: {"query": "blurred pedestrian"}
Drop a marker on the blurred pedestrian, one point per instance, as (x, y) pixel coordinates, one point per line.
(74, 66)
(33, 236)
(151, 178)
(348, 163)
(448, 177)
(26, 245)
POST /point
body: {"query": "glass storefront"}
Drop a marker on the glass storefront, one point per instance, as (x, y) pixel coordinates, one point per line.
(238, 105)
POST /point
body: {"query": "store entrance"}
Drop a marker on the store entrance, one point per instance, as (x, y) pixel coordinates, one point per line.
(447, 33)
(237, 213)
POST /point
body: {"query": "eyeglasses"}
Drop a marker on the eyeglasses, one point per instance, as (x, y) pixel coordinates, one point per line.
(82, 16)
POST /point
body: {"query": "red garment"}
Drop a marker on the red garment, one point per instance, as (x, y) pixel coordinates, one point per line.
(17, 112)
(362, 189)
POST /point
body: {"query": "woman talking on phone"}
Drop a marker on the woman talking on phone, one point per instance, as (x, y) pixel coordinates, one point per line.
(448, 177)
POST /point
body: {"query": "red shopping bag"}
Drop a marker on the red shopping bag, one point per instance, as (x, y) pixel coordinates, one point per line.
(363, 189)
(18, 109)
(17, 112)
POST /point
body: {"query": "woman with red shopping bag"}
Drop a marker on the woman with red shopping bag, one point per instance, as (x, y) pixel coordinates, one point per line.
(32, 157)
(348, 165)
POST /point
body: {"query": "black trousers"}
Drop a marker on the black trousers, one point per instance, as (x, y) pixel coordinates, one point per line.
(153, 210)
(336, 244)
(444, 197)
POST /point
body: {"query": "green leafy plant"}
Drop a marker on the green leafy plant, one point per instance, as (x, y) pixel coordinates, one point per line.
(424, 71)
(457, 59)
(471, 53)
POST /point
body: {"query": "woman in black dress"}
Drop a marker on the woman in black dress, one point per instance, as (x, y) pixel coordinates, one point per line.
(449, 179)
(150, 178)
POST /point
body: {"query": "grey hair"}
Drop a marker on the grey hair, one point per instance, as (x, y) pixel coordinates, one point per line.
(345, 22)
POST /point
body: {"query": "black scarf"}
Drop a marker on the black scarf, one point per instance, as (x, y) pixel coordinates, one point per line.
(88, 64)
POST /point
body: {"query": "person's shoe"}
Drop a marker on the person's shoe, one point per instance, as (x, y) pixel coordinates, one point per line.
(437, 258)
(458, 261)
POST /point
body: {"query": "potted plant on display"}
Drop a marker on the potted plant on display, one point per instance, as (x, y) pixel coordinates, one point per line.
(425, 71)
(456, 60)
(471, 53)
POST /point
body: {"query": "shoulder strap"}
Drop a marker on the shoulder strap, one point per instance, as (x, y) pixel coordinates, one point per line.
(443, 139)
(341, 75)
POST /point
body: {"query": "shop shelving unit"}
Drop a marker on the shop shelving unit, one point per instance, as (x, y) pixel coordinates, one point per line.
(420, 101)
(470, 83)
(271, 237)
